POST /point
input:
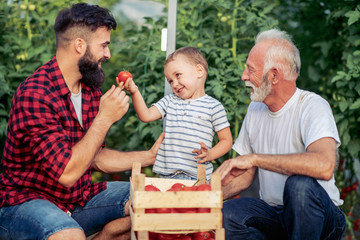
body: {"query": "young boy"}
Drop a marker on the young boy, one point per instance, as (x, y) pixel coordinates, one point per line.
(192, 117)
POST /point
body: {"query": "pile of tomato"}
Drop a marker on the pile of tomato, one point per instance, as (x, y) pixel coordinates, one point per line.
(179, 187)
(191, 236)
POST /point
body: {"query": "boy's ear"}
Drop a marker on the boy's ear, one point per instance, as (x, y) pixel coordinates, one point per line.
(200, 70)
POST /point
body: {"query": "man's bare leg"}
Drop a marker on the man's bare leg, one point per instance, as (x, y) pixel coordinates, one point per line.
(118, 229)
(69, 234)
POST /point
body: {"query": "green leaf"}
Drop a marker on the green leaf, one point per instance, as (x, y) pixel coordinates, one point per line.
(250, 18)
(338, 76)
(354, 148)
(313, 74)
(343, 105)
(343, 126)
(346, 138)
(324, 46)
(357, 168)
(357, 88)
(353, 16)
(355, 105)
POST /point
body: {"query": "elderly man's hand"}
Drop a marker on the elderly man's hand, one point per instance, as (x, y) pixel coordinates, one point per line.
(234, 167)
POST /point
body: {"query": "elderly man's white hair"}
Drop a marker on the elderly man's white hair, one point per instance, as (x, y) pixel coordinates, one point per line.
(283, 54)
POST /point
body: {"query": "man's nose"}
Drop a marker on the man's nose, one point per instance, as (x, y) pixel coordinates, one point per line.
(107, 54)
(245, 75)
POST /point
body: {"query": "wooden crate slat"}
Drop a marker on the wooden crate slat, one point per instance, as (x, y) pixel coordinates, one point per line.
(205, 199)
(186, 221)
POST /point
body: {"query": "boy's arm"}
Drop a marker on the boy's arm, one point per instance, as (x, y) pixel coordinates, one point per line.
(222, 147)
(144, 113)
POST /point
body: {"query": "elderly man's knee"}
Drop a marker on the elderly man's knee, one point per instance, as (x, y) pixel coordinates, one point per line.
(298, 189)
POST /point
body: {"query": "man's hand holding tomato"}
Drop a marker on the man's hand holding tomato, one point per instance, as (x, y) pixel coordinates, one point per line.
(113, 105)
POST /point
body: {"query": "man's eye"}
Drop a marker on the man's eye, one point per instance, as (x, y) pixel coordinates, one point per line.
(178, 75)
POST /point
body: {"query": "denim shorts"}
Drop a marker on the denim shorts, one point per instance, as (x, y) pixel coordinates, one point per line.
(178, 175)
(38, 219)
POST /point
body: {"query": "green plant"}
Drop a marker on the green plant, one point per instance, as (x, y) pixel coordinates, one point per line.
(326, 32)
(27, 41)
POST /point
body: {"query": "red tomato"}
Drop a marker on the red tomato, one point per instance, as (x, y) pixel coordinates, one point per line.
(124, 75)
(151, 188)
(163, 210)
(150, 210)
(189, 188)
(204, 187)
(201, 236)
(187, 210)
(203, 210)
(153, 235)
(176, 187)
(184, 237)
(176, 210)
(165, 236)
(184, 210)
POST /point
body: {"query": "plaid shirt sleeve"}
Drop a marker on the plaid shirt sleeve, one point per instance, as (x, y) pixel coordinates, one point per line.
(43, 127)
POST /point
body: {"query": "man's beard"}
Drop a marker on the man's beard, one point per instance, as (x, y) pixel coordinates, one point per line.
(260, 93)
(92, 75)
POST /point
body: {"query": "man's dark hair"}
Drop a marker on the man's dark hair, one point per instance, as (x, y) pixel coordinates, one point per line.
(79, 21)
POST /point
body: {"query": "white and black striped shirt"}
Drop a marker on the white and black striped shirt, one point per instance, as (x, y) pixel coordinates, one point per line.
(188, 122)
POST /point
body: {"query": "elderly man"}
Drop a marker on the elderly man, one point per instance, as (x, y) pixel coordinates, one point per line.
(290, 137)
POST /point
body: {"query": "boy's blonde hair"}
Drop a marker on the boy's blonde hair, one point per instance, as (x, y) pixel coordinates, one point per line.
(193, 55)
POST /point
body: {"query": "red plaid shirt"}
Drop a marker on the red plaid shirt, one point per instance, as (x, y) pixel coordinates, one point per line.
(43, 127)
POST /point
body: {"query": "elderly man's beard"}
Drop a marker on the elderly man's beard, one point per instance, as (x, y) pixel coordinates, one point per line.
(92, 75)
(260, 93)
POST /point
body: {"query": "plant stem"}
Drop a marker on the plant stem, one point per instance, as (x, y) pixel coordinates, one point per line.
(233, 31)
(28, 21)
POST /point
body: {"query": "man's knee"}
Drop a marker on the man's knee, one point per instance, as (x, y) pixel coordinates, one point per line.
(236, 209)
(70, 234)
(300, 189)
(299, 183)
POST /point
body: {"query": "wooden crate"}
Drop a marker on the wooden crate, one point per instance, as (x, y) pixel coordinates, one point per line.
(140, 200)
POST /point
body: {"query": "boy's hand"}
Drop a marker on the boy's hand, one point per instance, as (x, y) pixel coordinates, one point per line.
(129, 86)
(202, 153)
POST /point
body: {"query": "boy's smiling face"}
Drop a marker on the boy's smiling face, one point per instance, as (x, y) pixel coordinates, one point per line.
(186, 79)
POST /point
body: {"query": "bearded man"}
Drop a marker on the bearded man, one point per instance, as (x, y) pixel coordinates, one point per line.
(57, 127)
(290, 137)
